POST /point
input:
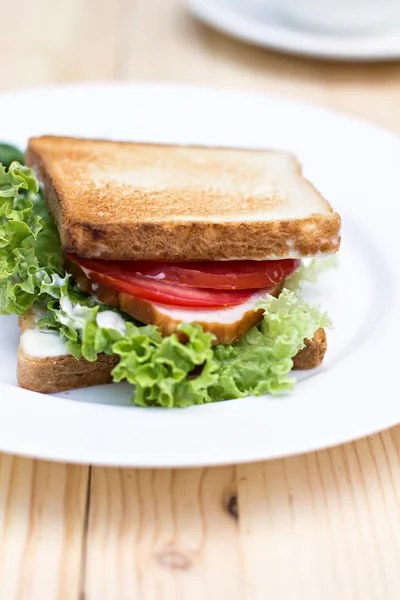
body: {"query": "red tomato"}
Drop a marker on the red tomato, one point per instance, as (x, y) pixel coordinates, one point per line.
(218, 275)
(113, 274)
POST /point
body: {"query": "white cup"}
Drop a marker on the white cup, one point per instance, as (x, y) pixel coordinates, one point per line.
(341, 15)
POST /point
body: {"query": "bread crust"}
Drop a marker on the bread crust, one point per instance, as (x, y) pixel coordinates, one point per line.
(60, 373)
(128, 235)
(313, 352)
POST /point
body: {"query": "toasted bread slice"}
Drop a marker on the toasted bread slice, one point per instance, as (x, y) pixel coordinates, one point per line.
(60, 372)
(52, 374)
(128, 201)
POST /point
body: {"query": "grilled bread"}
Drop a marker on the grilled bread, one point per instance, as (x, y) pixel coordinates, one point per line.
(128, 201)
(56, 372)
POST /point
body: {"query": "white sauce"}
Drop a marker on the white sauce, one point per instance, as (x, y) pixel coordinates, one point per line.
(74, 316)
(111, 320)
(38, 312)
(40, 344)
(59, 281)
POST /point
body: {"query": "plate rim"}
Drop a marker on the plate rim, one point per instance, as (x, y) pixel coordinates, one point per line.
(161, 85)
(174, 89)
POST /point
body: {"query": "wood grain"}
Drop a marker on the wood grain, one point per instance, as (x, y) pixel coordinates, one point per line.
(330, 518)
(162, 534)
(55, 42)
(42, 508)
(324, 525)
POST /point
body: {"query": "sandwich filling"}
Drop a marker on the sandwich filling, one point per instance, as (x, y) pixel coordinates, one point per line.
(192, 332)
(222, 297)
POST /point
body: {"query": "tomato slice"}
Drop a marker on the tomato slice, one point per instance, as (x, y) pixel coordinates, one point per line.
(113, 274)
(218, 275)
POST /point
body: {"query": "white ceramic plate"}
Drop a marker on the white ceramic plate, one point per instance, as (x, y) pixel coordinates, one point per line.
(257, 22)
(355, 391)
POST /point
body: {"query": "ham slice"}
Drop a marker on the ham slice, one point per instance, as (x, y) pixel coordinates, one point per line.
(227, 324)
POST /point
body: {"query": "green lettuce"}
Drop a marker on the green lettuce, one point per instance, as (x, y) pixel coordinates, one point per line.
(164, 371)
(260, 362)
(161, 368)
(310, 271)
(167, 372)
(30, 251)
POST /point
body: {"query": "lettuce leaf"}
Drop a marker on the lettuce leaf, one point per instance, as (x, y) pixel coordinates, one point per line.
(167, 372)
(164, 371)
(30, 250)
(310, 271)
(260, 362)
(160, 368)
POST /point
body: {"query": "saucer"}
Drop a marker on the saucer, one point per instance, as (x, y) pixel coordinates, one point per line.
(258, 23)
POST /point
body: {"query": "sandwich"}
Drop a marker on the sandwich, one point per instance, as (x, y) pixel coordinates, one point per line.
(175, 268)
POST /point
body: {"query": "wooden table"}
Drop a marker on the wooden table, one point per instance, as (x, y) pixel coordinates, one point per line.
(321, 526)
